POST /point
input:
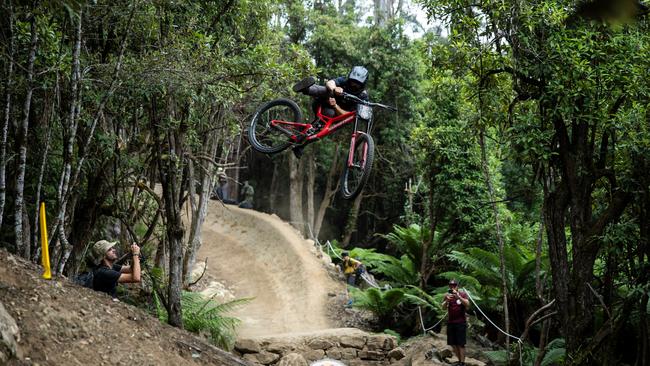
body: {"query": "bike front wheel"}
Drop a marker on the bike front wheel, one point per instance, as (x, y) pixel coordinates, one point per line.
(356, 173)
(266, 138)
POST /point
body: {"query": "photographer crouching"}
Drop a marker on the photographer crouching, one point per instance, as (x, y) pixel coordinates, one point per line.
(107, 274)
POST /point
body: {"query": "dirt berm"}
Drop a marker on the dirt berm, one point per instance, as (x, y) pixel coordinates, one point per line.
(258, 256)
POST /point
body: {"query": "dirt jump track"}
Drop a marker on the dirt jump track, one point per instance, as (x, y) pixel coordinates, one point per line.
(254, 254)
(259, 256)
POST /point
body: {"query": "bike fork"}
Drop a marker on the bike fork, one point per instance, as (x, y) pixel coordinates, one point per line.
(352, 148)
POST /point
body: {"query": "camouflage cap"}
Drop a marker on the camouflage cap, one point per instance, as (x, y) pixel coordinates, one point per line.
(99, 249)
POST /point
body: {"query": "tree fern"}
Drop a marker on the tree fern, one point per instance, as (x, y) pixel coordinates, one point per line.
(399, 272)
(409, 241)
(484, 277)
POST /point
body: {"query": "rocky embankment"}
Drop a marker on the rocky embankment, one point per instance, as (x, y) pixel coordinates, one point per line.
(351, 346)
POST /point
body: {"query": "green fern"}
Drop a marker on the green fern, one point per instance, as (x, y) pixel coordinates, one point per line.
(483, 274)
(419, 297)
(497, 357)
(405, 270)
(555, 354)
(201, 315)
(381, 302)
(410, 242)
(399, 272)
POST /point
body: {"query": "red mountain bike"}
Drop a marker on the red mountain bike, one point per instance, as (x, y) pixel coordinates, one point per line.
(278, 124)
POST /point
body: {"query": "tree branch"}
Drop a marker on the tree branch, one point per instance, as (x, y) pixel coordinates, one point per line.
(224, 10)
(600, 299)
(615, 209)
(519, 75)
(604, 141)
(530, 322)
(205, 267)
(513, 104)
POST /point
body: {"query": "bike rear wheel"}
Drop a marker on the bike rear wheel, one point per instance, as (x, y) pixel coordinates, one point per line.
(356, 175)
(266, 138)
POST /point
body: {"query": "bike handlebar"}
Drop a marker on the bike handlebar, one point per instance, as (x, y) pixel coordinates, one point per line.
(354, 98)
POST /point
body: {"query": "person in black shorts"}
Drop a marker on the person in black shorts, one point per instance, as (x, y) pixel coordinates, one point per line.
(107, 274)
(456, 304)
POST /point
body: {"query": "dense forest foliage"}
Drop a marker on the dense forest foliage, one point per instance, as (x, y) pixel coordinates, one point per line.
(519, 160)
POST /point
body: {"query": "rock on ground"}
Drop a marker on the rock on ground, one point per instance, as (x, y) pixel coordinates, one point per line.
(8, 336)
(292, 359)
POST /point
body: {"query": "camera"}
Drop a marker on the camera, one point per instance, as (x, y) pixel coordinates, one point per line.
(450, 291)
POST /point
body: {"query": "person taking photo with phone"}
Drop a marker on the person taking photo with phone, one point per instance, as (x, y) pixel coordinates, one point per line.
(456, 303)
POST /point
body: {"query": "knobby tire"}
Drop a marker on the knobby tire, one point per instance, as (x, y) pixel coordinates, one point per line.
(354, 178)
(260, 130)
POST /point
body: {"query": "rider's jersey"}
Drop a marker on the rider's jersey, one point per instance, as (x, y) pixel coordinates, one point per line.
(349, 106)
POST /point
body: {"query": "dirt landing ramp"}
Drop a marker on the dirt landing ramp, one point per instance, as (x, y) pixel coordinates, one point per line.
(258, 255)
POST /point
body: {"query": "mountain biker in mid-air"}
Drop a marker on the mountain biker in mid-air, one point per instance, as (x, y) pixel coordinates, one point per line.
(329, 97)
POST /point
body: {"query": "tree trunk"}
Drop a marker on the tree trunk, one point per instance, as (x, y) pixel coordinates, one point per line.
(295, 193)
(331, 187)
(41, 171)
(311, 182)
(274, 187)
(22, 243)
(86, 209)
(643, 345)
(434, 217)
(236, 174)
(85, 149)
(383, 11)
(538, 258)
(199, 213)
(7, 111)
(175, 233)
(642, 258)
(170, 153)
(554, 209)
(571, 176)
(543, 341)
(353, 216)
(502, 266)
(70, 131)
(162, 256)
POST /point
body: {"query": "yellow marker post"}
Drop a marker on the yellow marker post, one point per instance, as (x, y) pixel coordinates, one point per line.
(45, 254)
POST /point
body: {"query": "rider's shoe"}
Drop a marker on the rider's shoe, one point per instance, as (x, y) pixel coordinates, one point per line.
(297, 151)
(304, 84)
(300, 138)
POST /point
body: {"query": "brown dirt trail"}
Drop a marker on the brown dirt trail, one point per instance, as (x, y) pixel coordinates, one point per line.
(257, 255)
